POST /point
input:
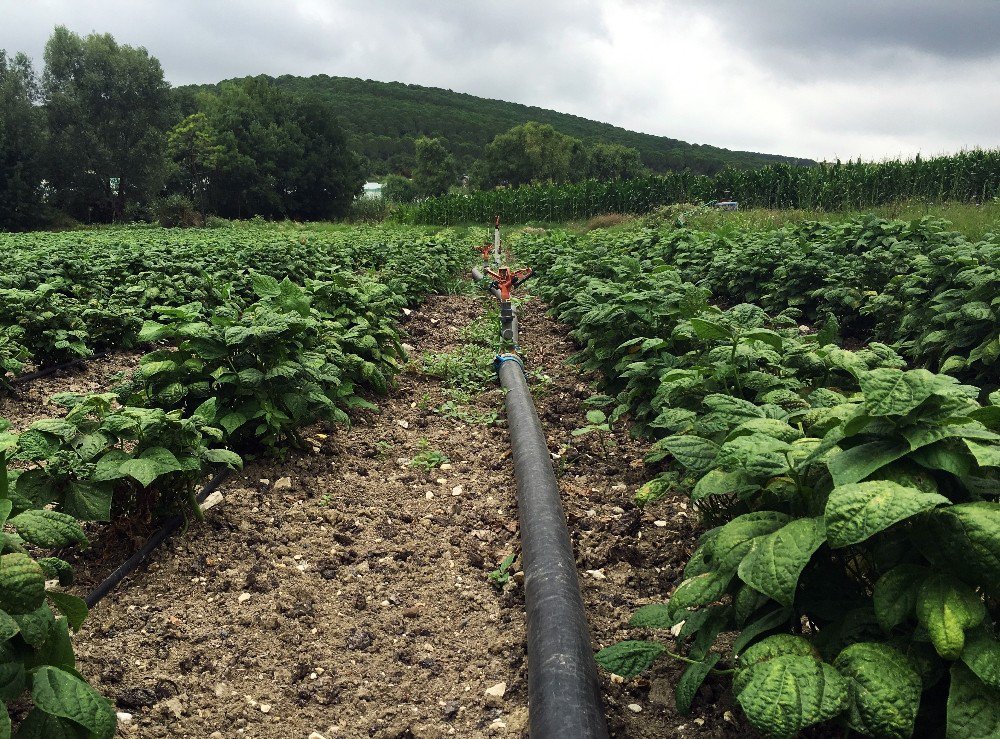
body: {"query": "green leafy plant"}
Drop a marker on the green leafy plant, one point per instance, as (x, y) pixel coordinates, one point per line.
(271, 367)
(36, 657)
(100, 461)
(849, 571)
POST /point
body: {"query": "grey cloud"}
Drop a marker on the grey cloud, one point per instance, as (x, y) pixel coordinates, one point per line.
(809, 78)
(854, 36)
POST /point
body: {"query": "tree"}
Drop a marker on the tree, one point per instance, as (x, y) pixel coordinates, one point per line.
(398, 189)
(193, 145)
(435, 170)
(107, 109)
(22, 136)
(534, 152)
(282, 156)
(613, 162)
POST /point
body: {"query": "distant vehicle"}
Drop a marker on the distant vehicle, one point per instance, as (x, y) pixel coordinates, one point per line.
(727, 205)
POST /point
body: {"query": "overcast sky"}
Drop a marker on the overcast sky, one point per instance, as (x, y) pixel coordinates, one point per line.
(820, 79)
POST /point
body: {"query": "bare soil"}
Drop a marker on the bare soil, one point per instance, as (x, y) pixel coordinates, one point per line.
(345, 592)
(31, 400)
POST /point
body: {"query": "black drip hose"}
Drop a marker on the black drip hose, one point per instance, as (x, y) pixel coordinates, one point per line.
(131, 564)
(564, 699)
(38, 374)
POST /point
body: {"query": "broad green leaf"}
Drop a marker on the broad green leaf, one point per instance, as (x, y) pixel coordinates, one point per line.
(223, 456)
(12, 682)
(149, 465)
(775, 561)
(893, 392)
(36, 445)
(231, 422)
(746, 602)
(947, 608)
(895, 594)
(8, 627)
(35, 485)
(884, 690)
(973, 707)
(265, 286)
(629, 658)
(57, 650)
(784, 695)
(152, 331)
(987, 455)
(709, 330)
(775, 646)
(700, 590)
(942, 456)
(855, 464)
(41, 725)
(109, 466)
(596, 417)
(771, 338)
(151, 369)
(57, 569)
(62, 694)
(691, 680)
(722, 482)
(73, 608)
(35, 626)
(89, 446)
(22, 584)
(736, 537)
(982, 655)
(207, 411)
(653, 616)
(967, 535)
(861, 510)
(693, 452)
(49, 529)
(88, 502)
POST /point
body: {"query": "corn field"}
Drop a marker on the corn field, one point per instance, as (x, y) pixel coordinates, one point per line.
(970, 176)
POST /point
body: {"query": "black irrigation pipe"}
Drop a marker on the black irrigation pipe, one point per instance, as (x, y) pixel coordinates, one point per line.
(171, 525)
(564, 697)
(38, 374)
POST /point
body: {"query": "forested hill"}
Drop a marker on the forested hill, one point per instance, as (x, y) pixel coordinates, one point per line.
(383, 119)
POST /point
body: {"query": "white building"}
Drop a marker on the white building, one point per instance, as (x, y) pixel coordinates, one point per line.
(372, 190)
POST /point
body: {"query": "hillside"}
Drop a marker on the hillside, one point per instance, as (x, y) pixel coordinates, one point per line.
(383, 118)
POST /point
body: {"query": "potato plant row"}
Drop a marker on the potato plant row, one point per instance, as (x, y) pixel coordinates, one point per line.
(66, 295)
(236, 371)
(849, 566)
(917, 285)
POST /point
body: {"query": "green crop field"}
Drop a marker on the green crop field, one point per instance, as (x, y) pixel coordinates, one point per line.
(826, 395)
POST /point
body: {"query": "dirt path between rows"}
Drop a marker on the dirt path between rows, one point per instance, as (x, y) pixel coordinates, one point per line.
(345, 592)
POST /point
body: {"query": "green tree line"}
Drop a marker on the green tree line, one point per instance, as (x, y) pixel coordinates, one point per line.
(384, 120)
(100, 136)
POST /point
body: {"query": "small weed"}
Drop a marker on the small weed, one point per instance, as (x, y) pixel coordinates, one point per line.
(428, 459)
(458, 405)
(501, 575)
(468, 367)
